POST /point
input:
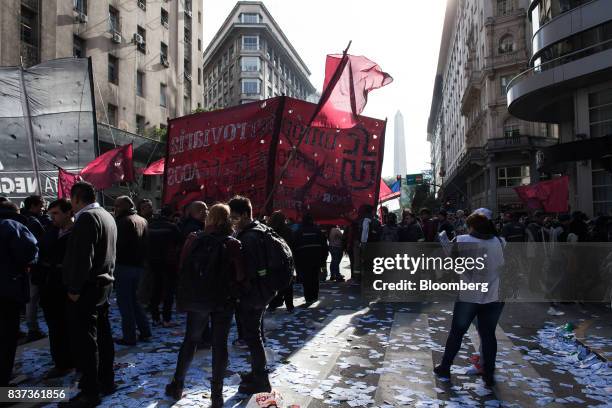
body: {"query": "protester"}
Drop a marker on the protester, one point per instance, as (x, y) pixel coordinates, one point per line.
(195, 215)
(390, 231)
(444, 225)
(53, 294)
(132, 246)
(209, 285)
(278, 222)
(145, 209)
(18, 250)
(251, 304)
(410, 229)
(310, 255)
(336, 249)
(485, 306)
(164, 248)
(429, 225)
(459, 225)
(88, 276)
(512, 230)
(33, 209)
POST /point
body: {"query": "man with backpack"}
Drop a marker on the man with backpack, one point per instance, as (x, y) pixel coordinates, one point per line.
(310, 255)
(269, 270)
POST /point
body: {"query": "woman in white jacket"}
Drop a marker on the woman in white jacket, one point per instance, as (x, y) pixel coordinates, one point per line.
(481, 241)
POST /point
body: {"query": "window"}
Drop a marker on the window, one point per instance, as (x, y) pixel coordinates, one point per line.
(250, 64)
(199, 44)
(163, 98)
(231, 50)
(249, 18)
(231, 73)
(29, 33)
(199, 76)
(506, 44)
(199, 17)
(142, 47)
(164, 18)
(140, 124)
(112, 114)
(113, 20)
(250, 86)
(140, 83)
(504, 80)
(163, 54)
(250, 42)
(513, 176)
(142, 4)
(600, 113)
(504, 7)
(602, 188)
(78, 47)
(80, 6)
(113, 69)
(270, 78)
(511, 129)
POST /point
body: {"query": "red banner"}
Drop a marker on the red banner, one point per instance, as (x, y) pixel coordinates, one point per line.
(213, 156)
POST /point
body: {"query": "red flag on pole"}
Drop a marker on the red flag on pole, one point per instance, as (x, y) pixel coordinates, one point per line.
(65, 181)
(348, 80)
(155, 168)
(385, 193)
(112, 167)
(551, 195)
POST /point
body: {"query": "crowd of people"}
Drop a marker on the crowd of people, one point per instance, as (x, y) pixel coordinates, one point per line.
(213, 264)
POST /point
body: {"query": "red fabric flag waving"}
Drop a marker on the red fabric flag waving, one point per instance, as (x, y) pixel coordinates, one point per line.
(385, 193)
(155, 168)
(552, 195)
(345, 93)
(112, 167)
(65, 181)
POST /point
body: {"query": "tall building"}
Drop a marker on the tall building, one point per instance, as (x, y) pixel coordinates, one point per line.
(250, 58)
(569, 84)
(480, 151)
(399, 153)
(145, 54)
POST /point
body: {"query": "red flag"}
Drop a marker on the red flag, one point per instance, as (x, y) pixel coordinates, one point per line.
(155, 168)
(385, 193)
(552, 195)
(112, 167)
(65, 181)
(345, 93)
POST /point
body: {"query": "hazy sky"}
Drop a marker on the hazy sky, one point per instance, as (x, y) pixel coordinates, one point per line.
(402, 36)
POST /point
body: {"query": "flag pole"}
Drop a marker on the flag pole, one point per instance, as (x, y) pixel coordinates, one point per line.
(324, 97)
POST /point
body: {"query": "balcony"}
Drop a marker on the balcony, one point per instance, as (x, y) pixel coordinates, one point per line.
(471, 93)
(518, 142)
(544, 93)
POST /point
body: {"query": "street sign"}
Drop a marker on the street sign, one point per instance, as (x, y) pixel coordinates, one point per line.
(414, 179)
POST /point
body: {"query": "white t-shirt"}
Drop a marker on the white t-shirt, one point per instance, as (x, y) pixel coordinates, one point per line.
(475, 247)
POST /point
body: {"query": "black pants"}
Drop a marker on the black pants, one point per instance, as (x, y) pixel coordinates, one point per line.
(251, 326)
(463, 314)
(9, 329)
(93, 346)
(310, 276)
(54, 302)
(286, 296)
(196, 323)
(164, 289)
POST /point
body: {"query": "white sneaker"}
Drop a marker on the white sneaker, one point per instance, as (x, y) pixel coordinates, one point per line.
(554, 312)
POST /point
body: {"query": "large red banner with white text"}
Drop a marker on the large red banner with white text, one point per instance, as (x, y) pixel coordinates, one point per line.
(213, 156)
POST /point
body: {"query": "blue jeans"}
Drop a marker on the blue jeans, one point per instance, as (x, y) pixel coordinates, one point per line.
(463, 314)
(334, 266)
(132, 313)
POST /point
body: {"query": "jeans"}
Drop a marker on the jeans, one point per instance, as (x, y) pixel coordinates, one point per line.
(251, 327)
(196, 323)
(32, 308)
(54, 302)
(132, 313)
(336, 258)
(163, 290)
(488, 315)
(92, 341)
(9, 329)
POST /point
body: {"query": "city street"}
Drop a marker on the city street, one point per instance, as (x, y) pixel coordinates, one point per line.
(343, 352)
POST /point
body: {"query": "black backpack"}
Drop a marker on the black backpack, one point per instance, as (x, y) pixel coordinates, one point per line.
(200, 284)
(276, 272)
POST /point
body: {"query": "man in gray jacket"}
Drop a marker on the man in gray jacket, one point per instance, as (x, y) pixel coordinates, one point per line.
(88, 269)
